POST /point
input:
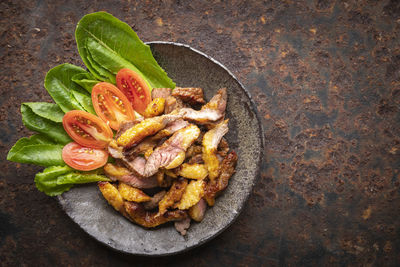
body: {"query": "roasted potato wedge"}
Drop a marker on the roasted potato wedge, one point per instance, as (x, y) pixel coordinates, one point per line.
(173, 195)
(193, 171)
(192, 194)
(154, 108)
(112, 195)
(131, 193)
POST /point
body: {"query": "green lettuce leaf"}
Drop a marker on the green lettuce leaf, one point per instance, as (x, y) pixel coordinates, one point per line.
(57, 179)
(50, 129)
(121, 45)
(84, 100)
(85, 80)
(38, 150)
(41, 139)
(46, 181)
(49, 111)
(81, 178)
(58, 83)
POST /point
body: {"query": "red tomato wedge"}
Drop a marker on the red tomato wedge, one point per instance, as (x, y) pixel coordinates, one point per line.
(135, 88)
(87, 129)
(111, 105)
(84, 158)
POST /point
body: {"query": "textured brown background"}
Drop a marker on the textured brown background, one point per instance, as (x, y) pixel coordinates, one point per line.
(326, 80)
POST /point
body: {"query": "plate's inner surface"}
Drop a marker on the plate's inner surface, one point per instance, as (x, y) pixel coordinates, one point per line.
(188, 68)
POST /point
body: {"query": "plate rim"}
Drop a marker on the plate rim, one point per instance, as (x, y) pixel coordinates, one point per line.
(201, 242)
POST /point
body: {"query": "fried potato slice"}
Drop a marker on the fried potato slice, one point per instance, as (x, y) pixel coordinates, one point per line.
(193, 193)
(112, 195)
(193, 171)
(115, 171)
(154, 108)
(173, 195)
(131, 193)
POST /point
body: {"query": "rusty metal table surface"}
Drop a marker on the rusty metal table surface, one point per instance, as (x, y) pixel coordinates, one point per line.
(326, 80)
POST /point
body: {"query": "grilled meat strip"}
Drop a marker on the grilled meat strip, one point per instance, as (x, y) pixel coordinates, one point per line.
(137, 214)
(182, 226)
(210, 112)
(122, 174)
(197, 211)
(147, 127)
(191, 95)
(173, 195)
(160, 93)
(211, 141)
(173, 103)
(153, 203)
(169, 155)
(227, 169)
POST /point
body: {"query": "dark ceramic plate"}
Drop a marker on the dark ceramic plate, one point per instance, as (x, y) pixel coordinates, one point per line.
(187, 67)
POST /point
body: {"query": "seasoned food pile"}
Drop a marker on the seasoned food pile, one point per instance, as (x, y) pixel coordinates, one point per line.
(172, 162)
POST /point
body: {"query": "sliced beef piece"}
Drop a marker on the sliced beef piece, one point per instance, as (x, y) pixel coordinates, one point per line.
(211, 141)
(173, 103)
(115, 172)
(147, 127)
(169, 155)
(191, 95)
(126, 125)
(170, 129)
(210, 112)
(136, 213)
(198, 158)
(227, 169)
(160, 93)
(182, 226)
(197, 211)
(223, 148)
(173, 195)
(153, 203)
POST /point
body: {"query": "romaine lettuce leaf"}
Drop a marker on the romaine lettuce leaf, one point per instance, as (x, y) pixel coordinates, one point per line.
(36, 150)
(117, 38)
(58, 83)
(49, 111)
(51, 129)
(86, 80)
(84, 100)
(57, 179)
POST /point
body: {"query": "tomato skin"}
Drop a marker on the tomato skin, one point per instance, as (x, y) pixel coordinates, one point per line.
(135, 88)
(87, 129)
(84, 158)
(111, 105)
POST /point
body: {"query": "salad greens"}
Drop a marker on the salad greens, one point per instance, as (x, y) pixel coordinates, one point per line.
(105, 45)
(49, 128)
(57, 179)
(85, 80)
(38, 150)
(59, 84)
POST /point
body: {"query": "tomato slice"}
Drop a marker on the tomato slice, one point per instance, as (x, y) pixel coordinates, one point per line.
(87, 129)
(111, 105)
(84, 158)
(135, 88)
